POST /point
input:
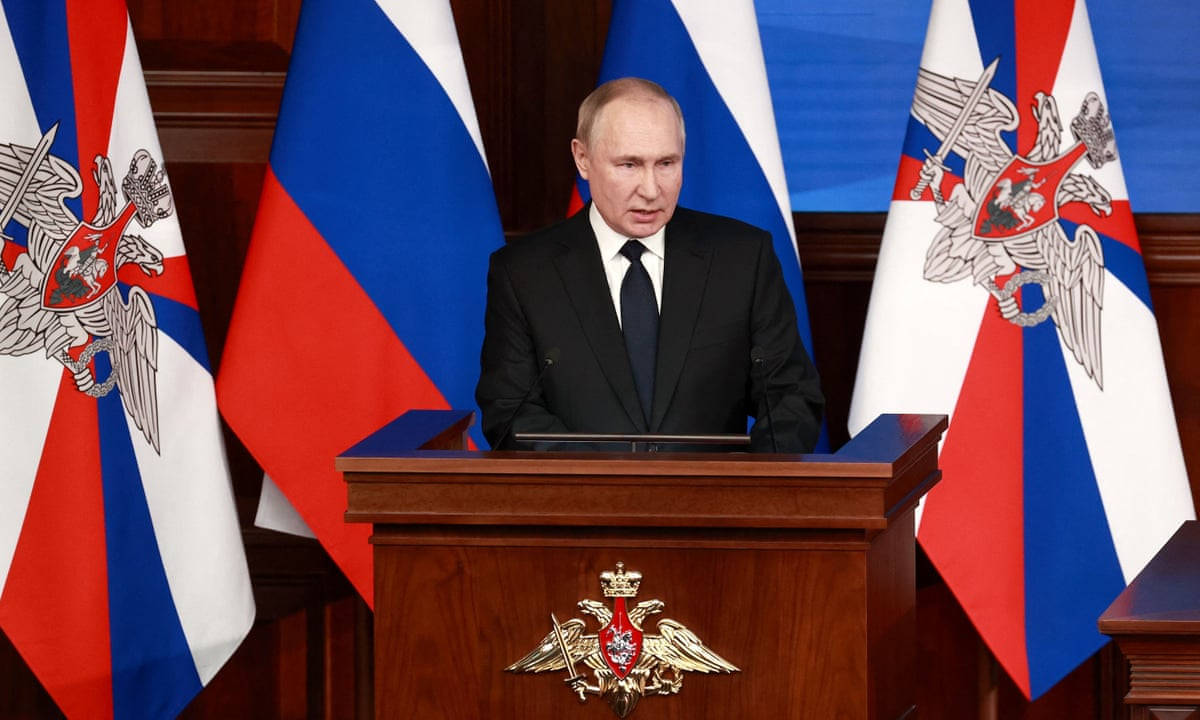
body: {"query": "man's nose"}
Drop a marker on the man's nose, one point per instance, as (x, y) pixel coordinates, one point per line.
(648, 184)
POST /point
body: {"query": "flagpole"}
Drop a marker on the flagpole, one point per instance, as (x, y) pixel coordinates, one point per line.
(988, 690)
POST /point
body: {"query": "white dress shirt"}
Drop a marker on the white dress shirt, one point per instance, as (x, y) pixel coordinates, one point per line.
(615, 264)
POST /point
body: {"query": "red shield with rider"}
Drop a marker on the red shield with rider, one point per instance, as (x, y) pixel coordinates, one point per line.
(1021, 198)
(620, 641)
(85, 269)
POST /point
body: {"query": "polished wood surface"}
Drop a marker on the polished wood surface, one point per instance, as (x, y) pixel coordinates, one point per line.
(799, 569)
(1156, 623)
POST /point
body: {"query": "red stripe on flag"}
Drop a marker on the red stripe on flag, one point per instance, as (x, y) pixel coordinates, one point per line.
(972, 526)
(1041, 29)
(96, 30)
(173, 283)
(55, 603)
(310, 367)
(1118, 226)
(575, 204)
(909, 174)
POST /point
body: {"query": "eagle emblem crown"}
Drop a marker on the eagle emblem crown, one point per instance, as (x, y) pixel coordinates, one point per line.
(626, 663)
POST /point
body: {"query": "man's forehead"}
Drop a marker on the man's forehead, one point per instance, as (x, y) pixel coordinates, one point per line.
(629, 120)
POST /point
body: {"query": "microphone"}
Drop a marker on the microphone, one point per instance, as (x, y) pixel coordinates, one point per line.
(756, 358)
(548, 359)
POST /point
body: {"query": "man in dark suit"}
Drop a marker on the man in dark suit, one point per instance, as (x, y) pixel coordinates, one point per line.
(649, 313)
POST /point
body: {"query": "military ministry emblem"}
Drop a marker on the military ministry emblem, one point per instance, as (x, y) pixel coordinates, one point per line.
(626, 663)
(60, 297)
(1003, 219)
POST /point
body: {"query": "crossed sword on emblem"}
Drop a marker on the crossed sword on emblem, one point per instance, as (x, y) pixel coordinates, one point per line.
(572, 681)
(10, 208)
(1009, 308)
(36, 158)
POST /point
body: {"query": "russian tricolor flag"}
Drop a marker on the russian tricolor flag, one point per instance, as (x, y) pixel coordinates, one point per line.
(1060, 483)
(124, 583)
(708, 56)
(363, 291)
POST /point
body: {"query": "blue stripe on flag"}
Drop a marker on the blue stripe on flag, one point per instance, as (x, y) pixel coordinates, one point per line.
(153, 672)
(376, 156)
(1122, 262)
(1127, 265)
(1071, 567)
(182, 324)
(39, 34)
(996, 32)
(918, 140)
(721, 173)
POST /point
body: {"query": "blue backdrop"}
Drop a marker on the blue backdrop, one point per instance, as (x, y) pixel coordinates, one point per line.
(842, 76)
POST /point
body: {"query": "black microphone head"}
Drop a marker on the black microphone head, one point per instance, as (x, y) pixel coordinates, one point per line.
(551, 356)
(756, 354)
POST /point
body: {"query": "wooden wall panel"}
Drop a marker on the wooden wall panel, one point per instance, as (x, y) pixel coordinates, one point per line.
(251, 35)
(215, 72)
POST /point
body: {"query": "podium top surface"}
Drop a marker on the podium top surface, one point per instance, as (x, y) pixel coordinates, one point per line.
(1165, 597)
(404, 474)
(416, 442)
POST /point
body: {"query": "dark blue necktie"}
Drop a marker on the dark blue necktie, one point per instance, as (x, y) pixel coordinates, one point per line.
(639, 323)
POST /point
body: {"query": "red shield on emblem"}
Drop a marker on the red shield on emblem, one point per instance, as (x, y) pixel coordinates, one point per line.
(620, 641)
(85, 269)
(1020, 199)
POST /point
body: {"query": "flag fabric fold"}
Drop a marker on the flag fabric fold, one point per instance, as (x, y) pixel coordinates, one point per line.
(362, 294)
(1011, 295)
(709, 57)
(123, 581)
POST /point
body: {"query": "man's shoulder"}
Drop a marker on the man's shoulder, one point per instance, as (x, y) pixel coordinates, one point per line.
(716, 228)
(544, 244)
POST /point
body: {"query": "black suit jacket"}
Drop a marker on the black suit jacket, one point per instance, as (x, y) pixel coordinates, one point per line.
(723, 294)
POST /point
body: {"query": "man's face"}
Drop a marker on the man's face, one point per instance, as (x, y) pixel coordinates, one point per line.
(633, 164)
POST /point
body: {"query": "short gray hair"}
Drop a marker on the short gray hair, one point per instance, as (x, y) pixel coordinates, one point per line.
(616, 89)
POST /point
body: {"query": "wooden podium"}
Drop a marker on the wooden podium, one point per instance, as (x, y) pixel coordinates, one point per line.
(797, 569)
(1156, 623)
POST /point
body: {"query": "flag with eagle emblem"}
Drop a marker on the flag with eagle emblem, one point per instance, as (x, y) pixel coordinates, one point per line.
(123, 581)
(1011, 295)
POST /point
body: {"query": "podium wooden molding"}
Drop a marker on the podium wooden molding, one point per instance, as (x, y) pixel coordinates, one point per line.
(1156, 624)
(799, 569)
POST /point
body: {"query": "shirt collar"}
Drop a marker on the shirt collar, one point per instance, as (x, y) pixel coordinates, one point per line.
(611, 241)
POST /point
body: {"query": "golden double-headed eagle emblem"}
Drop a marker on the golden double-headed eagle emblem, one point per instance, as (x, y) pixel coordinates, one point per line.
(626, 663)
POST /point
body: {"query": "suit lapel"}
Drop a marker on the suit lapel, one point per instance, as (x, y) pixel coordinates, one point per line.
(684, 278)
(582, 273)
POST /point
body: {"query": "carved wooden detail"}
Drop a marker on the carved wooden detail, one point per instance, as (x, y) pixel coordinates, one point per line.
(1168, 713)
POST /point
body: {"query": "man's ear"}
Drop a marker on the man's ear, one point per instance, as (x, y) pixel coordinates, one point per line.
(582, 161)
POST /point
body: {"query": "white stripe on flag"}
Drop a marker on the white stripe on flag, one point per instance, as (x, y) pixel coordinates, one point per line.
(920, 335)
(1078, 74)
(726, 37)
(30, 382)
(428, 25)
(276, 512)
(132, 130)
(1129, 428)
(192, 509)
(18, 122)
(950, 44)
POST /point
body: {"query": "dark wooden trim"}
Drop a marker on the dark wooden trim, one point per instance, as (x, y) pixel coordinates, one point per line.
(215, 116)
